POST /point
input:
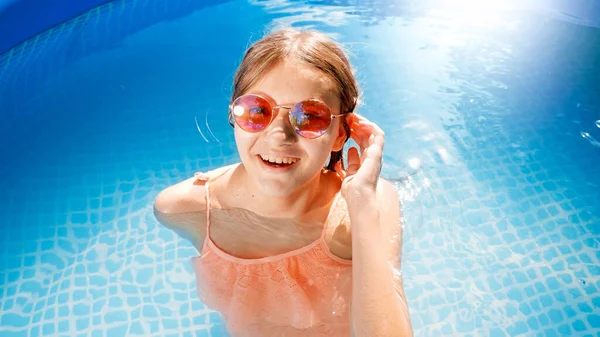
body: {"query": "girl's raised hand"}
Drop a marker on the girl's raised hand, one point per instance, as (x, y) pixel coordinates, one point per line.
(361, 177)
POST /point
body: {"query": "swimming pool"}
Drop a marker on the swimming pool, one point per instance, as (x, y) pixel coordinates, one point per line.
(492, 121)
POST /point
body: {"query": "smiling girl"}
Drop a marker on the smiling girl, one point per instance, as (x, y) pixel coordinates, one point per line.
(292, 243)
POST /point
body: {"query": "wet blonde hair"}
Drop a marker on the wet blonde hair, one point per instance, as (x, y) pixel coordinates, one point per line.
(310, 47)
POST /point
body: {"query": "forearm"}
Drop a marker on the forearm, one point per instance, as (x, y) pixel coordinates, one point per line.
(378, 304)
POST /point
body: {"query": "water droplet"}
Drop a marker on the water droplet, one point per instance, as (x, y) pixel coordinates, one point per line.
(585, 135)
(582, 282)
(598, 123)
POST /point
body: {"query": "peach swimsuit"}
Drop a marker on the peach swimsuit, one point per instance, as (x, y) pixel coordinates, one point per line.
(304, 292)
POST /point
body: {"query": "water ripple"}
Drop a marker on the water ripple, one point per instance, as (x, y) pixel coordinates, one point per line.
(591, 139)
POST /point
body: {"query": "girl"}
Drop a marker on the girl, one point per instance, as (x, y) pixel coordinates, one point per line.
(290, 246)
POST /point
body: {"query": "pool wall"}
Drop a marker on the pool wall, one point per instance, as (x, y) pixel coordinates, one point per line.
(23, 19)
(26, 69)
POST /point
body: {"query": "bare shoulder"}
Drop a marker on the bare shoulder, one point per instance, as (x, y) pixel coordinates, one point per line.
(183, 197)
(182, 208)
(189, 195)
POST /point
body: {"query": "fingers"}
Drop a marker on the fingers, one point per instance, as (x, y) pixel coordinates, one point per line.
(353, 161)
(379, 141)
(362, 121)
(372, 163)
(363, 128)
(370, 139)
(366, 134)
(340, 170)
(370, 127)
(360, 136)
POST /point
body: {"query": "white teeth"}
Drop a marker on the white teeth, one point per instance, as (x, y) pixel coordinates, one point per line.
(279, 160)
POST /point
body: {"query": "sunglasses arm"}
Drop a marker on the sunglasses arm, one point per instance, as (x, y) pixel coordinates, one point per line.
(340, 115)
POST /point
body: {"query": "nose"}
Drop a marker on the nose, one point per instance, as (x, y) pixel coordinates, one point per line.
(281, 132)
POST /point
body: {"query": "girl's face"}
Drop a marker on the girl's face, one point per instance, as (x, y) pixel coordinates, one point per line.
(288, 83)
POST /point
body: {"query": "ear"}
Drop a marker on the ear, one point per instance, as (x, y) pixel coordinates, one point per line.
(340, 138)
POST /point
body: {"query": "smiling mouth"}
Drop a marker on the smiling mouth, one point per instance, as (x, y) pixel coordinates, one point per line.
(278, 162)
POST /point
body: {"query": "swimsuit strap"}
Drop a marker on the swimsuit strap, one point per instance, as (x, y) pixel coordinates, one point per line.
(207, 178)
(207, 198)
(330, 214)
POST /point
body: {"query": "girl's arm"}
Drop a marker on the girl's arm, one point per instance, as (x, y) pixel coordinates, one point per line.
(379, 306)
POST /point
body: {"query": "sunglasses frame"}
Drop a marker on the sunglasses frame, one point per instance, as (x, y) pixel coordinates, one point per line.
(275, 112)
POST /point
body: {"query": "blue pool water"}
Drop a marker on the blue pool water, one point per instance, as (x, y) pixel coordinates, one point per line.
(492, 121)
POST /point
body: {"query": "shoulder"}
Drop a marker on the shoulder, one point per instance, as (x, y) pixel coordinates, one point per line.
(188, 195)
(182, 207)
(183, 197)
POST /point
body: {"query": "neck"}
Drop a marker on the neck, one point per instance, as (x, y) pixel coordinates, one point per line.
(296, 204)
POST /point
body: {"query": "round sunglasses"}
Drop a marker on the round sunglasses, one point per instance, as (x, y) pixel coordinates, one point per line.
(252, 113)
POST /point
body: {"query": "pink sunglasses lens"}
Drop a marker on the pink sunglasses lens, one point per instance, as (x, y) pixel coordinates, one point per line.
(252, 113)
(310, 118)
